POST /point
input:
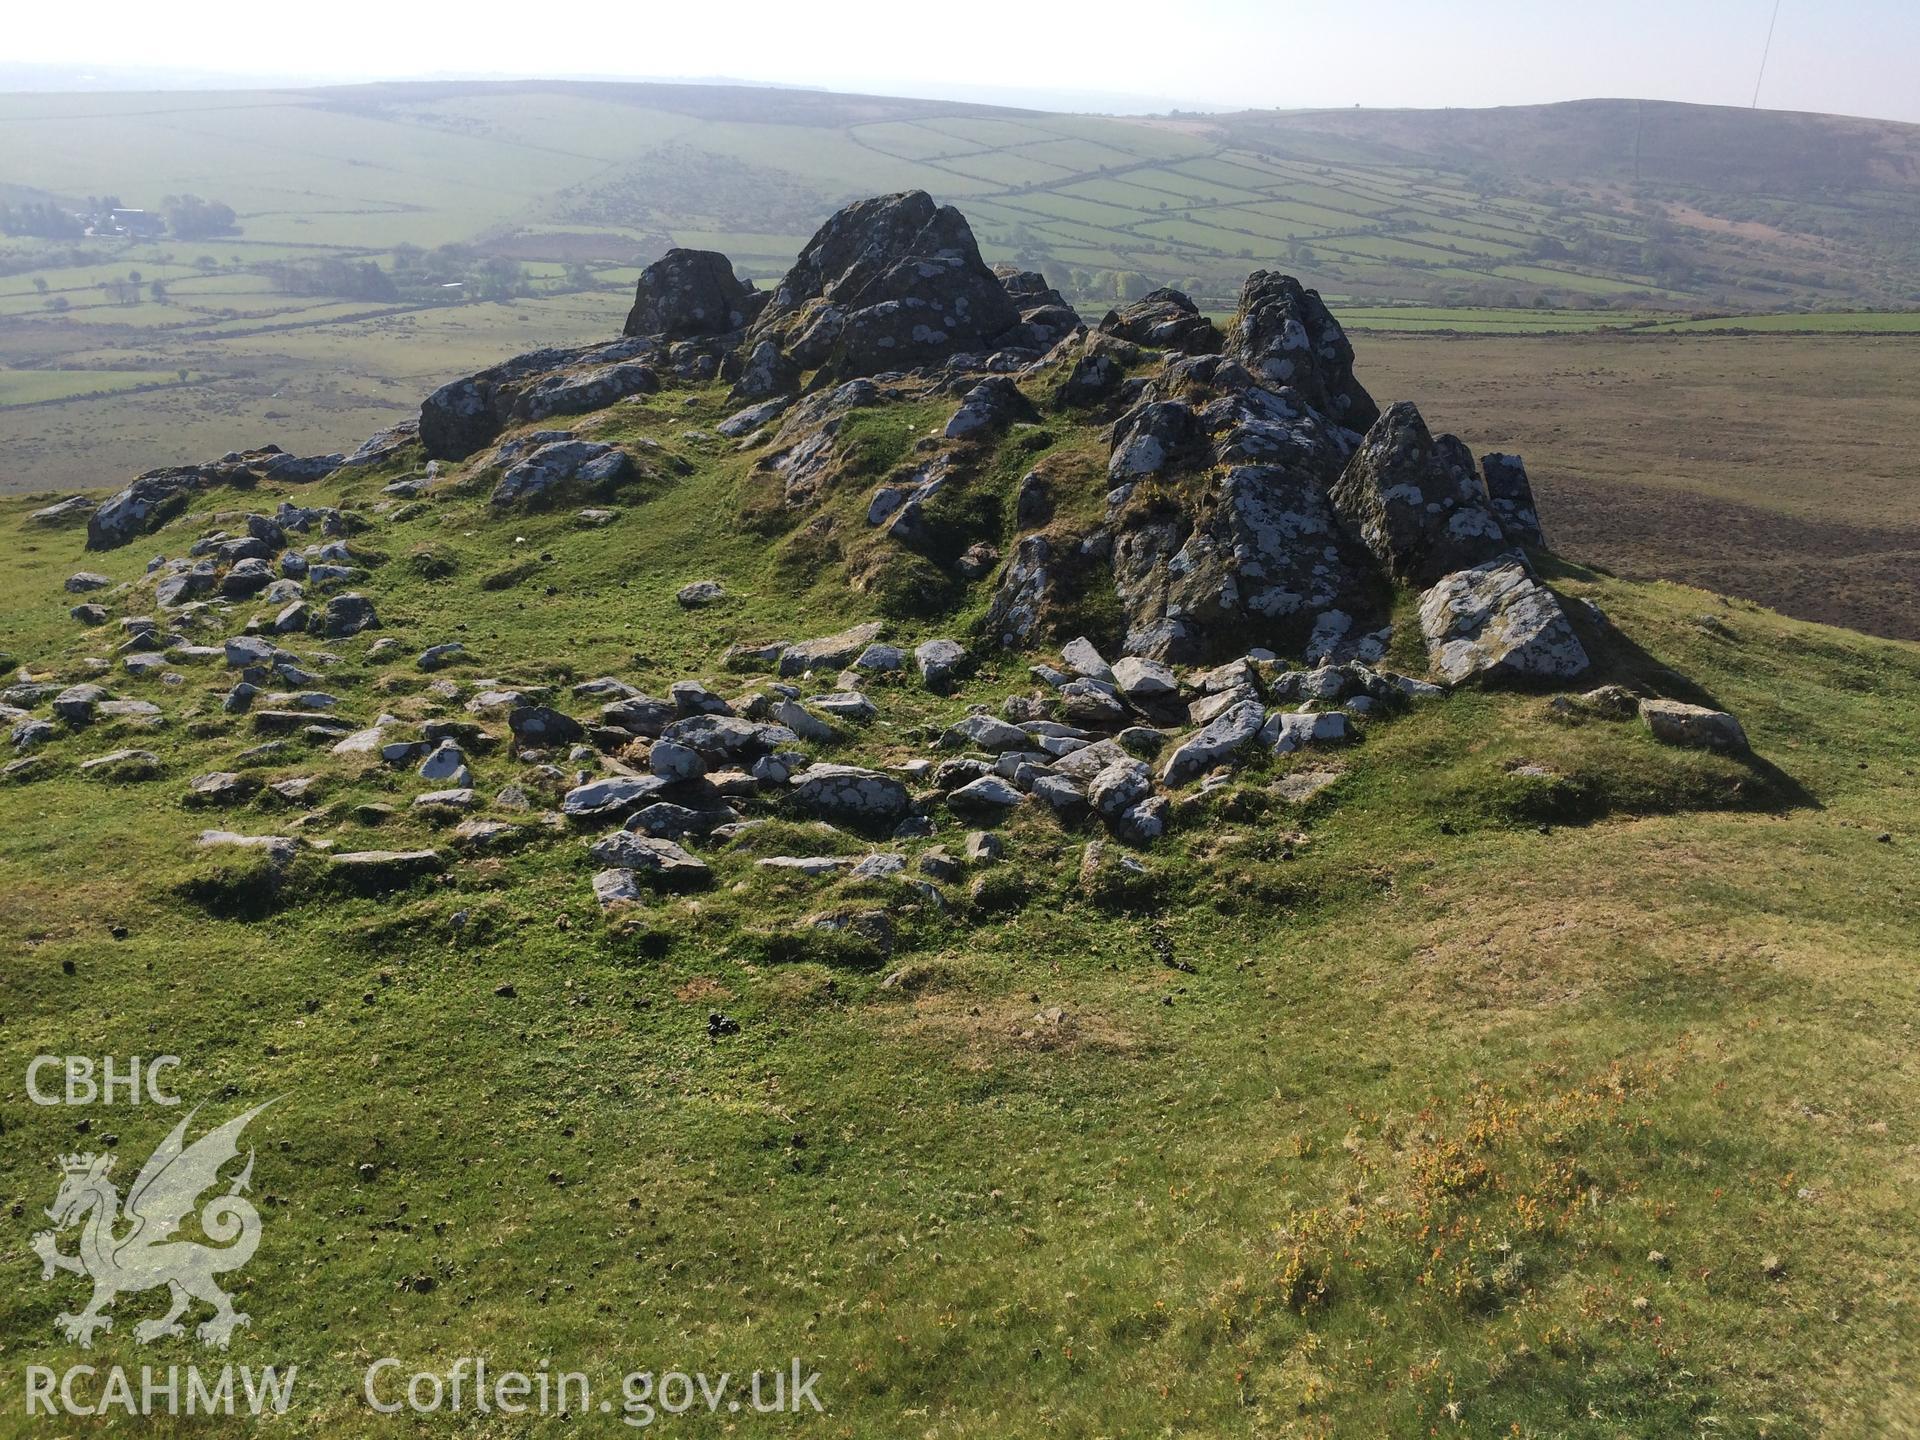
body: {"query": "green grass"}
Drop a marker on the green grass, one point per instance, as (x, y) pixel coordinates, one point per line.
(1454, 1050)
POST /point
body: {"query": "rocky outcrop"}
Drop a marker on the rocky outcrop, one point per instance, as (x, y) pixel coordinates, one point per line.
(468, 414)
(1496, 622)
(689, 293)
(1415, 502)
(886, 284)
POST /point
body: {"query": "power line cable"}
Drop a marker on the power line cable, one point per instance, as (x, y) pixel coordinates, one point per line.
(1764, 53)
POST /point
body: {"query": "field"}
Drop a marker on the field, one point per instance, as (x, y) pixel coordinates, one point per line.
(1774, 467)
(1461, 1099)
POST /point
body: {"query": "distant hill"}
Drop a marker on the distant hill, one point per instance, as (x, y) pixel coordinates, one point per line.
(1595, 203)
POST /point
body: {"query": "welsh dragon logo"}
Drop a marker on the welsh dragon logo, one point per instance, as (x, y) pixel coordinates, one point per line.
(124, 1252)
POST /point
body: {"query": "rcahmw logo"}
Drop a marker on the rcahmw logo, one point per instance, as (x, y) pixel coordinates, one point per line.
(133, 1246)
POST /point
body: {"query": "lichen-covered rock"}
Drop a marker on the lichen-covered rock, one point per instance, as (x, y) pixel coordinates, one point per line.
(887, 283)
(764, 372)
(1284, 334)
(1216, 742)
(989, 407)
(1417, 503)
(1510, 495)
(575, 392)
(849, 794)
(1164, 320)
(689, 293)
(1098, 369)
(1694, 726)
(1496, 622)
(1045, 316)
(560, 467)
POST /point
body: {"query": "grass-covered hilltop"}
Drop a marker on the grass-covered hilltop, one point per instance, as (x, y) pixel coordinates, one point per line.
(1089, 880)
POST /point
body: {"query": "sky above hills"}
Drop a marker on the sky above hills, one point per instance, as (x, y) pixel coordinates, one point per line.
(1842, 56)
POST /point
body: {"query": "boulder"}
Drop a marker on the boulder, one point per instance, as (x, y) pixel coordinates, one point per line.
(765, 374)
(849, 794)
(1216, 742)
(541, 726)
(1694, 726)
(1119, 787)
(1495, 622)
(561, 467)
(575, 392)
(988, 408)
(651, 855)
(1164, 320)
(617, 886)
(346, 615)
(610, 799)
(1417, 503)
(689, 293)
(1289, 730)
(940, 663)
(830, 653)
(989, 795)
(700, 594)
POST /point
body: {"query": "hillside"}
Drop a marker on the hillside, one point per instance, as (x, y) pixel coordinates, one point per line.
(663, 822)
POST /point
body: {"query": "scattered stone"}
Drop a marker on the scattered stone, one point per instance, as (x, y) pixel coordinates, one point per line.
(1694, 726)
(829, 653)
(89, 614)
(982, 847)
(81, 581)
(123, 765)
(1215, 743)
(1287, 731)
(700, 594)
(76, 703)
(438, 657)
(940, 663)
(346, 615)
(221, 787)
(385, 869)
(652, 856)
(989, 795)
(614, 887)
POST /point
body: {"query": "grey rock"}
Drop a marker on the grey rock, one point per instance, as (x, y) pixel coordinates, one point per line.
(984, 732)
(989, 795)
(672, 761)
(346, 615)
(831, 652)
(438, 657)
(1140, 679)
(1287, 731)
(1495, 622)
(1417, 503)
(446, 763)
(650, 855)
(1694, 726)
(700, 594)
(940, 662)
(1119, 787)
(82, 581)
(1510, 493)
(123, 765)
(76, 703)
(610, 799)
(89, 614)
(690, 293)
(983, 848)
(617, 886)
(849, 793)
(1217, 742)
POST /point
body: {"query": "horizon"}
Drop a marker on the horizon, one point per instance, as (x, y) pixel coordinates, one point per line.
(1780, 55)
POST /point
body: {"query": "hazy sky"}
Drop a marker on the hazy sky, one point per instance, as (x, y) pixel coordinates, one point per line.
(1849, 56)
